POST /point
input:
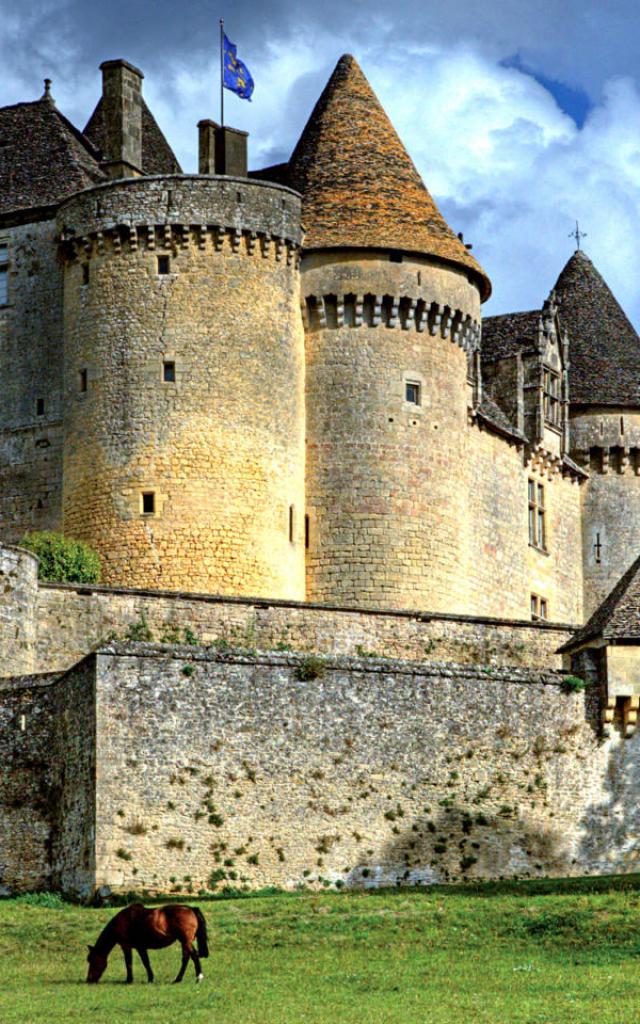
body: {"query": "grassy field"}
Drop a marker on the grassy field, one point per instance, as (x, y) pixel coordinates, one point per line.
(527, 953)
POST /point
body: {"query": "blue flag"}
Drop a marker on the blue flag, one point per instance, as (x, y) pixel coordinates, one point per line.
(236, 75)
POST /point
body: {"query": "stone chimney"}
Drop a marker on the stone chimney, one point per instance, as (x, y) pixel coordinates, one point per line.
(221, 150)
(122, 114)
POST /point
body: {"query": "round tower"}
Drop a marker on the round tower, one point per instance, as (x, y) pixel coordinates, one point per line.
(604, 391)
(184, 383)
(392, 305)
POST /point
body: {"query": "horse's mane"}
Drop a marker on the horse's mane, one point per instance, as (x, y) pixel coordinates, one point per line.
(109, 935)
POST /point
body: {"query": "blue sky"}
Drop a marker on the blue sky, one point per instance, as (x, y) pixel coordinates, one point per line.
(522, 117)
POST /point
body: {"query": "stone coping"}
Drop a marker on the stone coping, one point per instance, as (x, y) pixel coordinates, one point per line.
(264, 602)
(332, 662)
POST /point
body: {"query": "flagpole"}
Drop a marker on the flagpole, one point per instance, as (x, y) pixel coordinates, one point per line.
(221, 73)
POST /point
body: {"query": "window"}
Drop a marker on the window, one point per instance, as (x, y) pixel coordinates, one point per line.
(164, 265)
(412, 392)
(169, 371)
(539, 610)
(597, 549)
(551, 388)
(148, 503)
(537, 528)
(306, 531)
(291, 523)
(39, 406)
(4, 273)
(85, 273)
(82, 381)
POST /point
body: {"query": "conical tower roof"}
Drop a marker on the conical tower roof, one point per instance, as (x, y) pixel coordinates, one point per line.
(359, 185)
(618, 617)
(604, 347)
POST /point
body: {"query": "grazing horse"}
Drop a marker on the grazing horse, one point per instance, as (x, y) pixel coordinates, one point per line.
(141, 928)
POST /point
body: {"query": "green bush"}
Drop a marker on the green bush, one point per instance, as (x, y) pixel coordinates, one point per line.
(62, 559)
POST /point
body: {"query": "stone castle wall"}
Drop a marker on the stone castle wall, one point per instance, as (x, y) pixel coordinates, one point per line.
(18, 611)
(72, 619)
(503, 570)
(221, 444)
(261, 769)
(385, 477)
(606, 442)
(31, 374)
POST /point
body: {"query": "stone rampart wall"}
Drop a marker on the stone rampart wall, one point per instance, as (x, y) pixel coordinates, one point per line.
(73, 619)
(226, 769)
(176, 769)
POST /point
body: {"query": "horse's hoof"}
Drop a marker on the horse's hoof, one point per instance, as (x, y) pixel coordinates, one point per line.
(199, 979)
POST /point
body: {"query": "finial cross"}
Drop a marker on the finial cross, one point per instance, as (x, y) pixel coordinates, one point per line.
(578, 235)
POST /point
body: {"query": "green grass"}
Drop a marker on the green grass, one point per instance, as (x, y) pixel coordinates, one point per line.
(518, 953)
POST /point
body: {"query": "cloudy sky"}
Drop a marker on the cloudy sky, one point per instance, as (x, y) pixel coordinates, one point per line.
(523, 116)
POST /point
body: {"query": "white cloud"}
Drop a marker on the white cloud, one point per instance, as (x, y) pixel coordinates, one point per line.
(506, 165)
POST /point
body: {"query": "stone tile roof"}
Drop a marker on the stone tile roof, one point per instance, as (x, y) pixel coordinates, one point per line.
(43, 158)
(278, 173)
(157, 155)
(360, 188)
(504, 335)
(491, 413)
(604, 348)
(618, 617)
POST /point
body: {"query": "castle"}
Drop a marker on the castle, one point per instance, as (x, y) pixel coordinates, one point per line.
(269, 401)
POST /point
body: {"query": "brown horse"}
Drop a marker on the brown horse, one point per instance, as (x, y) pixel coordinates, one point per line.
(139, 928)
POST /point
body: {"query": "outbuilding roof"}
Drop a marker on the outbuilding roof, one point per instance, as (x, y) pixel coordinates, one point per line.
(43, 158)
(359, 185)
(618, 617)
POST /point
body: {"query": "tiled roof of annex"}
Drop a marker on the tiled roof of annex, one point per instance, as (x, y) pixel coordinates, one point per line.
(359, 185)
(43, 158)
(618, 616)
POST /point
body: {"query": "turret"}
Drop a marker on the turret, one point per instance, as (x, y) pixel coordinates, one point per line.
(391, 299)
(604, 389)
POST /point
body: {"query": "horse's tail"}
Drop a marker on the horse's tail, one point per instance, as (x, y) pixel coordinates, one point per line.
(201, 934)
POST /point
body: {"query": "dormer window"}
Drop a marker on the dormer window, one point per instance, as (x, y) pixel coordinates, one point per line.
(551, 389)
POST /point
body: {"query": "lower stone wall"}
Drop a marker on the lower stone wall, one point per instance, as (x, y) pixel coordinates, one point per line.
(27, 719)
(47, 782)
(179, 769)
(73, 619)
(228, 770)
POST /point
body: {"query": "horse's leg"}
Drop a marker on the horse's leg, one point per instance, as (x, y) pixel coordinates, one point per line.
(127, 959)
(197, 964)
(144, 956)
(186, 956)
